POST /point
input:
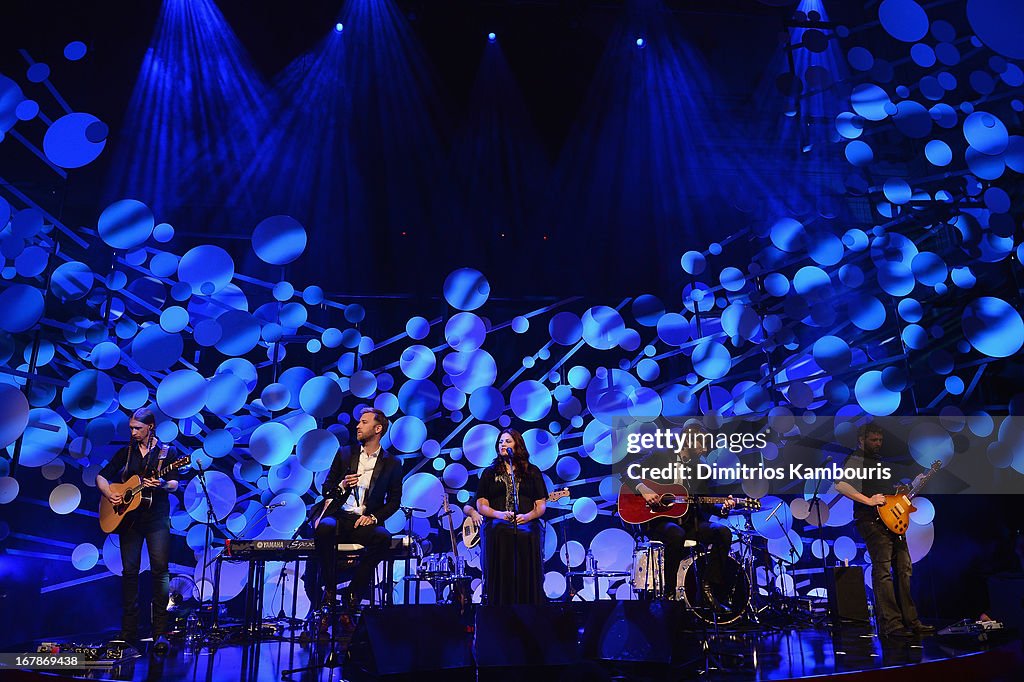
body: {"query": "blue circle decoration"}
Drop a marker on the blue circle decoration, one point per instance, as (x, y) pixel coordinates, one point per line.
(568, 468)
(530, 400)
(125, 224)
(904, 20)
(226, 394)
(647, 310)
(929, 268)
(860, 59)
(486, 403)
(776, 284)
(419, 398)
(859, 153)
(417, 328)
(455, 476)
(105, 355)
(910, 310)
(832, 354)
(313, 295)
(74, 51)
(986, 133)
(453, 399)
(787, 235)
(408, 433)
(896, 190)
(732, 279)
(363, 384)
(133, 395)
(386, 402)
(470, 371)
(239, 333)
(206, 268)
(316, 449)
(998, 24)
(579, 377)
(647, 369)
(27, 110)
(275, 396)
(602, 327)
(44, 438)
(993, 327)
(271, 443)
(10, 96)
(181, 394)
(584, 510)
(14, 414)
(174, 319)
(874, 397)
(464, 332)
(72, 281)
(478, 444)
(923, 55)
(466, 289)
(520, 324)
(218, 443)
(867, 314)
(279, 240)
(88, 394)
(320, 397)
(711, 359)
(938, 153)
(870, 101)
(693, 262)
(66, 143)
(22, 305)
(565, 328)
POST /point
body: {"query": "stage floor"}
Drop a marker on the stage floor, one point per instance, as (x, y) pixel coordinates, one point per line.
(745, 652)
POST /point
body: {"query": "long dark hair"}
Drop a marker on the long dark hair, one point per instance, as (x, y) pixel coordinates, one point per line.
(520, 455)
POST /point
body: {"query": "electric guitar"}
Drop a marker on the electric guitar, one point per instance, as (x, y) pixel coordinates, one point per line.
(132, 494)
(673, 502)
(471, 528)
(896, 511)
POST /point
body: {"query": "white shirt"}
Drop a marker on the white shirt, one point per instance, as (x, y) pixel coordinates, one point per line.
(365, 470)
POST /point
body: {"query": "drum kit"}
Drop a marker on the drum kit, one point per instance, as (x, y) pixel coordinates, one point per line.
(751, 576)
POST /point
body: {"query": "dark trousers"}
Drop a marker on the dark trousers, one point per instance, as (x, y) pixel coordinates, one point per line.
(713, 535)
(332, 531)
(156, 532)
(889, 555)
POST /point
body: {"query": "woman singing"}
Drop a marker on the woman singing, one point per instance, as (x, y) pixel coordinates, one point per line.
(512, 497)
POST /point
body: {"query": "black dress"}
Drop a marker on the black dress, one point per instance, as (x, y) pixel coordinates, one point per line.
(511, 556)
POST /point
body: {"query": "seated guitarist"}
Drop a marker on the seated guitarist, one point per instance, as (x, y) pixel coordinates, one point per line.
(696, 524)
(897, 614)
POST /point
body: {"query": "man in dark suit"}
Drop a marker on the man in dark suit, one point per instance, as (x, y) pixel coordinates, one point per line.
(362, 489)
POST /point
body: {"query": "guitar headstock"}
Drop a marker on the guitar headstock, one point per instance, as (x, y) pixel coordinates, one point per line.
(558, 494)
(444, 503)
(180, 462)
(936, 465)
(748, 503)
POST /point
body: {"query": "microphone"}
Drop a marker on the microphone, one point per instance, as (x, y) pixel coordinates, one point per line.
(777, 508)
(272, 507)
(508, 454)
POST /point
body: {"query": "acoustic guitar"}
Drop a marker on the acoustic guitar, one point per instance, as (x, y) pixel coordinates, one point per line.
(673, 502)
(133, 493)
(896, 511)
(471, 529)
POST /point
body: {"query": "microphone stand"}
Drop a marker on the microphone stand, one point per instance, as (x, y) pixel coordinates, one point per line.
(211, 521)
(815, 504)
(515, 529)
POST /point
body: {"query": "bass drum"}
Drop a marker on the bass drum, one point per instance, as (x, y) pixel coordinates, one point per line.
(733, 595)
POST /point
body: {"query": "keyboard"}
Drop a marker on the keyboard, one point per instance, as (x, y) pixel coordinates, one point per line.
(301, 548)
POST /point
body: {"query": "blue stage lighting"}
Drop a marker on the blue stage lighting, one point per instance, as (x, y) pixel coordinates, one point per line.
(339, 27)
(491, 37)
(641, 43)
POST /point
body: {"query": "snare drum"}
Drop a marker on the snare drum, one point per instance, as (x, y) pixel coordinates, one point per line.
(648, 575)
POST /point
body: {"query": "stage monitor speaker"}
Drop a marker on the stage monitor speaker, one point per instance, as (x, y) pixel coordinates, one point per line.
(636, 631)
(405, 639)
(847, 598)
(526, 636)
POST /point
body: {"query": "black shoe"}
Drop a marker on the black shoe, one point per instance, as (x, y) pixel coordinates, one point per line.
(899, 633)
(160, 645)
(127, 637)
(922, 629)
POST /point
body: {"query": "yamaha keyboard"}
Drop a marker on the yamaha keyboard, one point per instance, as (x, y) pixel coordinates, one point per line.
(301, 548)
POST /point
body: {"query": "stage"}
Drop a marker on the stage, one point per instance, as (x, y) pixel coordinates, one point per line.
(580, 641)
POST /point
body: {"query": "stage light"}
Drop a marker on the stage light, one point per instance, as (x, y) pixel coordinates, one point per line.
(339, 27)
(641, 43)
(491, 37)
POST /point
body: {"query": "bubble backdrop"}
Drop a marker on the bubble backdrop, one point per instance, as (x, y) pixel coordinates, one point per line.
(901, 303)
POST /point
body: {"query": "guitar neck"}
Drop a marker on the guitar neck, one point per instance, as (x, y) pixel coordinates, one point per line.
(705, 499)
(917, 488)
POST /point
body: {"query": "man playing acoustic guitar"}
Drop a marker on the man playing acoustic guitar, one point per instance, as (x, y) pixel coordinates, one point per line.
(897, 614)
(696, 524)
(151, 522)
